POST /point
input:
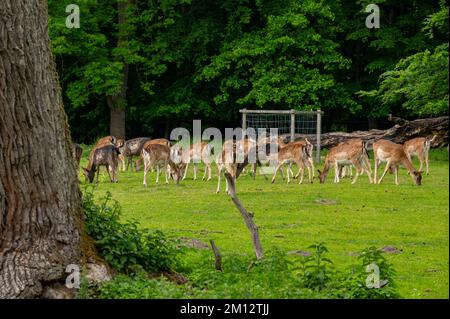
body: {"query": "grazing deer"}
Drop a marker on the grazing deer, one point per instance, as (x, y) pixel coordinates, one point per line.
(103, 156)
(420, 147)
(227, 162)
(77, 152)
(132, 148)
(291, 153)
(161, 156)
(393, 154)
(352, 152)
(199, 152)
(307, 160)
(107, 140)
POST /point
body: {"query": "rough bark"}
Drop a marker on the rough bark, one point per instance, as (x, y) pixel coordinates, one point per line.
(402, 131)
(217, 255)
(40, 200)
(117, 103)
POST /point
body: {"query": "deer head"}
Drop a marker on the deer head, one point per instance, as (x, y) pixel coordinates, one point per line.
(89, 174)
(417, 177)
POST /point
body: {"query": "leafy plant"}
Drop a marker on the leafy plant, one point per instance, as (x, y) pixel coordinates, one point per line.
(315, 269)
(123, 244)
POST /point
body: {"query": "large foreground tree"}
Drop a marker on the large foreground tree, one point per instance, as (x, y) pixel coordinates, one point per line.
(40, 202)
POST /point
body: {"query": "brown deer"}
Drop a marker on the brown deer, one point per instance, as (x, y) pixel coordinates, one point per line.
(132, 148)
(199, 152)
(393, 154)
(103, 156)
(419, 147)
(352, 152)
(107, 140)
(161, 156)
(227, 161)
(307, 161)
(291, 153)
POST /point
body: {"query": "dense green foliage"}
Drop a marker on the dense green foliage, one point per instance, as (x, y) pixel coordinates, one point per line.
(206, 59)
(122, 244)
(276, 276)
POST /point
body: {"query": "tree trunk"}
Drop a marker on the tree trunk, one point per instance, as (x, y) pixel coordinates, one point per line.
(40, 200)
(248, 218)
(118, 103)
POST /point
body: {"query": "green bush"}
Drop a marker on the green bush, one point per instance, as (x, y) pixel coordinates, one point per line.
(275, 276)
(123, 245)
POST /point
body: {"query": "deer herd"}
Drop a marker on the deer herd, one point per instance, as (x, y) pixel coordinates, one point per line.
(159, 154)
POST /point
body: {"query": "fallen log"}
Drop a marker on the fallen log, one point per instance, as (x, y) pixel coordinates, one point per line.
(402, 131)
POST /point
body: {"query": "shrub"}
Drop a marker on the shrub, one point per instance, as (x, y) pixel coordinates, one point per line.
(123, 244)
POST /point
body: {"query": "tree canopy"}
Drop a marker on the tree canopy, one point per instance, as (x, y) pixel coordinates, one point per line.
(202, 59)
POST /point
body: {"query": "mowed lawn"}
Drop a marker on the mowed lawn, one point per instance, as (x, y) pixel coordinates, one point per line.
(347, 218)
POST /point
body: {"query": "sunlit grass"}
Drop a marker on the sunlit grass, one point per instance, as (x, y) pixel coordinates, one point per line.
(347, 218)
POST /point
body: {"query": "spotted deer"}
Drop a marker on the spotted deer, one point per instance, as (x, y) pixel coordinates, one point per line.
(199, 152)
(229, 161)
(393, 154)
(103, 156)
(419, 147)
(107, 140)
(132, 148)
(161, 156)
(352, 152)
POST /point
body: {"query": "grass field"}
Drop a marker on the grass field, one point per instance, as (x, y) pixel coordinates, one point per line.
(347, 218)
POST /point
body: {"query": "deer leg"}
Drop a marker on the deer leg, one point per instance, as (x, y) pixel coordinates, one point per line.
(157, 174)
(336, 172)
(185, 171)
(396, 174)
(368, 171)
(275, 173)
(358, 170)
(195, 171)
(375, 170)
(427, 160)
(219, 174)
(254, 171)
(98, 172)
(388, 165)
(145, 173)
(226, 186)
(209, 171)
(167, 172)
(421, 160)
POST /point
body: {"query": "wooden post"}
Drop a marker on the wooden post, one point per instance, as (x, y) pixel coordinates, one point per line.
(318, 133)
(244, 119)
(217, 255)
(292, 125)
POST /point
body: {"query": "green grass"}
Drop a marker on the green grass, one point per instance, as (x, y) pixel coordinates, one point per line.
(413, 219)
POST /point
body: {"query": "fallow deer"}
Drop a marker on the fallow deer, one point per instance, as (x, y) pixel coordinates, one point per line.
(352, 152)
(132, 148)
(107, 140)
(103, 156)
(419, 147)
(232, 159)
(291, 153)
(160, 156)
(199, 152)
(393, 154)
